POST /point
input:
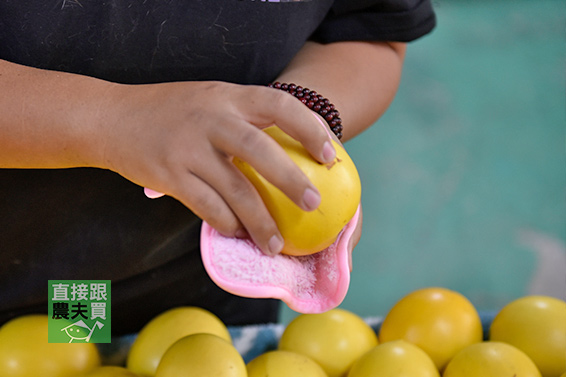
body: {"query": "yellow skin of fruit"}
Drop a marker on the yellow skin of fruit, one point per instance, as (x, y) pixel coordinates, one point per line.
(109, 371)
(394, 359)
(438, 320)
(537, 326)
(202, 355)
(334, 339)
(308, 232)
(283, 364)
(25, 352)
(164, 330)
(491, 359)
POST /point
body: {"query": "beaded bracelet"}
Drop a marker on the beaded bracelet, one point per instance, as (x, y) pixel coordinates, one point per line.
(316, 103)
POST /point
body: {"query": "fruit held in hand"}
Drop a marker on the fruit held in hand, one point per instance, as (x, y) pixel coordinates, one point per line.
(339, 185)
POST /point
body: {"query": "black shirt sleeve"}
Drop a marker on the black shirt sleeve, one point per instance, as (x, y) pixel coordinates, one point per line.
(376, 20)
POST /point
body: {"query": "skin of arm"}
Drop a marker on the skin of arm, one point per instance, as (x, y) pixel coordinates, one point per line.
(179, 138)
(360, 78)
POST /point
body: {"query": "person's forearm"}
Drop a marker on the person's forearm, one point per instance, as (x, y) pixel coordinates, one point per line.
(48, 117)
(360, 78)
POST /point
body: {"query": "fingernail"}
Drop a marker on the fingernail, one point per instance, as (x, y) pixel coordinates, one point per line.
(328, 152)
(275, 245)
(311, 199)
(152, 194)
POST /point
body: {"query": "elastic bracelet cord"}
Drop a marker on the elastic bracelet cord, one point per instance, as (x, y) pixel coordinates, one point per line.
(316, 103)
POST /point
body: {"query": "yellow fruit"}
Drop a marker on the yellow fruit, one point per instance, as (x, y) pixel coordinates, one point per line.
(491, 359)
(394, 359)
(109, 371)
(334, 339)
(201, 355)
(307, 232)
(438, 320)
(164, 330)
(537, 326)
(25, 352)
(284, 364)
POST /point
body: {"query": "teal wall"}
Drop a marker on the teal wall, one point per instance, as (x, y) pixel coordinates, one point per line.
(463, 178)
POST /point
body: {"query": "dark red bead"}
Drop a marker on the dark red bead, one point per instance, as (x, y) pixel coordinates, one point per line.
(333, 122)
(315, 102)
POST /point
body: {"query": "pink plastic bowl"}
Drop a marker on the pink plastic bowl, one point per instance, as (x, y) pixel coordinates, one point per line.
(307, 284)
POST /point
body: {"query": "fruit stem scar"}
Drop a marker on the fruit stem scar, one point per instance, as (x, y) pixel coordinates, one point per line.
(334, 162)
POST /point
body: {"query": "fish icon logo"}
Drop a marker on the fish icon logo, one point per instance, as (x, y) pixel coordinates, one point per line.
(80, 331)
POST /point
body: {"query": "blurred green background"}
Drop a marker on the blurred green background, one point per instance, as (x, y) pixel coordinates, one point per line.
(463, 178)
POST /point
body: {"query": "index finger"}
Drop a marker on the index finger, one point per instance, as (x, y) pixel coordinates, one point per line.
(270, 106)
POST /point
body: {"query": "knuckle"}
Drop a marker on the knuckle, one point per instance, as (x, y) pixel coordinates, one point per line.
(263, 231)
(293, 178)
(226, 225)
(250, 140)
(282, 100)
(294, 189)
(229, 229)
(204, 206)
(239, 189)
(268, 228)
(213, 87)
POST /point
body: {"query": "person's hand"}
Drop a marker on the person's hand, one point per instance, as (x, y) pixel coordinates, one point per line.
(180, 138)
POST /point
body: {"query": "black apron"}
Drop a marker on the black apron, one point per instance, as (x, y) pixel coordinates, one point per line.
(87, 223)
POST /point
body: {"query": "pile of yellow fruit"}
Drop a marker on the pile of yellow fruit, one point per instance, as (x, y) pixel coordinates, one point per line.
(429, 332)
